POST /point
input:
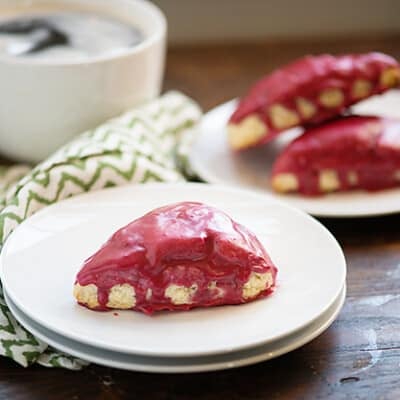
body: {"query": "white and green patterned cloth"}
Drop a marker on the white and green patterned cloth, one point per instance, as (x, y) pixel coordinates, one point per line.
(143, 145)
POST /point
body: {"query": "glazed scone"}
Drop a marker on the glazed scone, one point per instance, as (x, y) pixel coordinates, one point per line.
(308, 91)
(176, 257)
(354, 152)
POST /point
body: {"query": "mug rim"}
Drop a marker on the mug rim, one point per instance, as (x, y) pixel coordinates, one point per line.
(157, 35)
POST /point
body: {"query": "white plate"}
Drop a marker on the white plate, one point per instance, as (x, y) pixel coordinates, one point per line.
(182, 365)
(41, 258)
(214, 162)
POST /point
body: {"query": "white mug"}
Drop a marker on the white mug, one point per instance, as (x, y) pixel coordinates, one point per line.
(45, 103)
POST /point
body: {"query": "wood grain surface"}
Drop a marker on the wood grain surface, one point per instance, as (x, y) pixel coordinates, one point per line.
(357, 358)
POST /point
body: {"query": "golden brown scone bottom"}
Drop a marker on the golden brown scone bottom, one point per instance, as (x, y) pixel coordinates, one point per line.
(123, 297)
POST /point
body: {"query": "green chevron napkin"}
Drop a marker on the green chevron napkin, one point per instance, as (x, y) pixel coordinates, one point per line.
(146, 144)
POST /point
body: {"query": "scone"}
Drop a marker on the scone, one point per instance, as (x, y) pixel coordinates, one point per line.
(176, 257)
(308, 91)
(354, 152)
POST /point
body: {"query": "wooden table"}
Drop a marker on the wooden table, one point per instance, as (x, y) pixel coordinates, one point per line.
(357, 358)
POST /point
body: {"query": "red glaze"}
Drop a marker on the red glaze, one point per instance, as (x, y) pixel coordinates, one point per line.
(183, 244)
(307, 78)
(368, 146)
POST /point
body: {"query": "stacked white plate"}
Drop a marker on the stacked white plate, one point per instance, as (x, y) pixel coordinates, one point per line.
(40, 260)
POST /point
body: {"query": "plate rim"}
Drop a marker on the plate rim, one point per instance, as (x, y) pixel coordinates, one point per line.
(266, 355)
(205, 186)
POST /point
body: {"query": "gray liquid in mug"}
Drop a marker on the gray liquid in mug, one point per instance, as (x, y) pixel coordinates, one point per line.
(65, 36)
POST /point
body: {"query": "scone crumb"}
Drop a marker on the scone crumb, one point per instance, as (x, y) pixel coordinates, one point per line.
(180, 294)
(247, 132)
(285, 182)
(328, 180)
(86, 294)
(306, 108)
(121, 297)
(361, 88)
(331, 98)
(282, 118)
(352, 178)
(390, 77)
(256, 284)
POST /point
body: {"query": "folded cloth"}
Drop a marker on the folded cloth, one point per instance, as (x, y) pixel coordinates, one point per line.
(146, 144)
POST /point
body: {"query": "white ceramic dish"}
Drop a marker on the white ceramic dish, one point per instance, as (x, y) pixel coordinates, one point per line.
(214, 162)
(45, 103)
(40, 260)
(182, 365)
